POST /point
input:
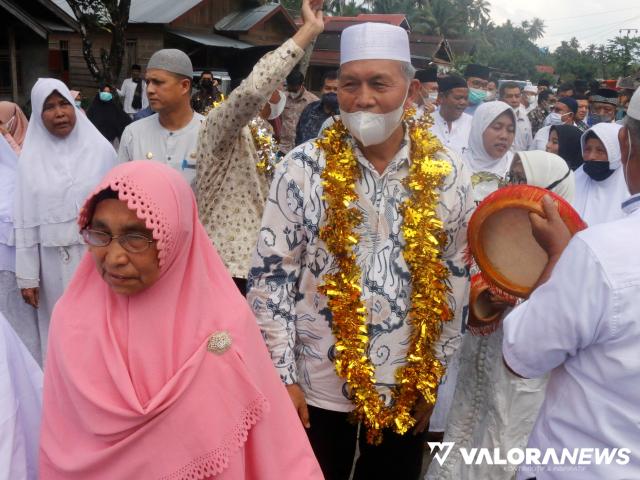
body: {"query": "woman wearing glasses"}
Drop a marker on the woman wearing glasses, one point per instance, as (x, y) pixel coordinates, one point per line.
(156, 366)
(63, 157)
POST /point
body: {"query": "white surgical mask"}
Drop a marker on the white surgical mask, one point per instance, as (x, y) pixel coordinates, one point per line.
(276, 109)
(372, 128)
(491, 96)
(554, 118)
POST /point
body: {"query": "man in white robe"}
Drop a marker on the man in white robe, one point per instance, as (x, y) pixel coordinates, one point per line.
(450, 122)
(586, 336)
(511, 94)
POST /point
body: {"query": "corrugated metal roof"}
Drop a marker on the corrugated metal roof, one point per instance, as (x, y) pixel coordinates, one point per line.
(211, 39)
(148, 11)
(245, 20)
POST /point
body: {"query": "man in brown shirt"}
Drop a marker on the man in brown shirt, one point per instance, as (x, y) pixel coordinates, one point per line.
(298, 98)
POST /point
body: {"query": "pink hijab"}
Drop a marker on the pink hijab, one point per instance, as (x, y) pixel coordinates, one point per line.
(132, 389)
(16, 123)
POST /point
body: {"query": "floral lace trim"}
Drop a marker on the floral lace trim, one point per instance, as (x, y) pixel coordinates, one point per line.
(216, 461)
(138, 200)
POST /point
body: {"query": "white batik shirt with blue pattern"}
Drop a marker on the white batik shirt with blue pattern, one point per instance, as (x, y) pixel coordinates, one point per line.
(291, 261)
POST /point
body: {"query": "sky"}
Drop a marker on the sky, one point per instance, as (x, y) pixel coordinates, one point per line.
(590, 21)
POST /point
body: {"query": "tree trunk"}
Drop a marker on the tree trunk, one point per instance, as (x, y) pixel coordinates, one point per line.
(92, 16)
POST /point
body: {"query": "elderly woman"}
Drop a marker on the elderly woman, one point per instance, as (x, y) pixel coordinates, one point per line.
(492, 408)
(157, 368)
(62, 159)
(13, 125)
(600, 184)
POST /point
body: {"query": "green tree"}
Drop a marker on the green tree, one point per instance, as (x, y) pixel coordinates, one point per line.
(510, 49)
(102, 16)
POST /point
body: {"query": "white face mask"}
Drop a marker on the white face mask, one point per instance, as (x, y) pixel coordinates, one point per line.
(296, 95)
(372, 128)
(554, 118)
(276, 109)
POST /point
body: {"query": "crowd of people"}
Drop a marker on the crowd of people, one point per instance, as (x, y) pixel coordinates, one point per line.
(265, 283)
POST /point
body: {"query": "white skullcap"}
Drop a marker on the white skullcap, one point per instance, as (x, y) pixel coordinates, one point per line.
(530, 88)
(633, 110)
(374, 41)
(171, 60)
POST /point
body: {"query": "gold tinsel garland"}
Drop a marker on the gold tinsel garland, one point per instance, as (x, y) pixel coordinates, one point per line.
(424, 242)
(266, 145)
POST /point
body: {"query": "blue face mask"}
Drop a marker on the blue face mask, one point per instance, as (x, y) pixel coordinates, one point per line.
(106, 96)
(477, 96)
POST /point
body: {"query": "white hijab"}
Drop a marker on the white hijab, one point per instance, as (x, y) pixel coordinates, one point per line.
(8, 167)
(543, 169)
(55, 175)
(600, 202)
(608, 135)
(477, 157)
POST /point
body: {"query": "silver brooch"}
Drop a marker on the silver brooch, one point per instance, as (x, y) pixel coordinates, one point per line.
(219, 343)
(149, 155)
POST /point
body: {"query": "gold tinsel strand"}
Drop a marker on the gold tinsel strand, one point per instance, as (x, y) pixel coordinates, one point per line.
(266, 145)
(424, 241)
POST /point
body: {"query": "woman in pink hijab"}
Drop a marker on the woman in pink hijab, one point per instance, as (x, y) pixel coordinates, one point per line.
(13, 125)
(156, 368)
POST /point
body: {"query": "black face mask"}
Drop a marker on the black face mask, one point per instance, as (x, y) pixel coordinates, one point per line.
(207, 84)
(598, 171)
(330, 101)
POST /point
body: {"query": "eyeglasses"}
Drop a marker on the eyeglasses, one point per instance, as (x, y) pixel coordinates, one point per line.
(131, 242)
(515, 179)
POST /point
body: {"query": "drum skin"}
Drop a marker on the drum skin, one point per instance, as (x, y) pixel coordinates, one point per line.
(501, 241)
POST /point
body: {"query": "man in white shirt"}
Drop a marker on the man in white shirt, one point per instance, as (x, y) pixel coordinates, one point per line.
(511, 94)
(586, 335)
(134, 92)
(171, 135)
(450, 122)
(564, 112)
(297, 255)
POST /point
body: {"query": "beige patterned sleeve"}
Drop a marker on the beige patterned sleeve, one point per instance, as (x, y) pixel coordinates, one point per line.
(223, 124)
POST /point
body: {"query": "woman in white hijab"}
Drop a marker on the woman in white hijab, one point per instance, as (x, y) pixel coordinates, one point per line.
(63, 157)
(493, 131)
(492, 408)
(21, 316)
(545, 170)
(600, 184)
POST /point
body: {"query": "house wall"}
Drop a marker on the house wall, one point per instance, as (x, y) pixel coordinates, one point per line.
(142, 41)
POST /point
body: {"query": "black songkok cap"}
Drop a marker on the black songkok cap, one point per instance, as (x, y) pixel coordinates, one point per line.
(605, 95)
(429, 74)
(450, 82)
(475, 70)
